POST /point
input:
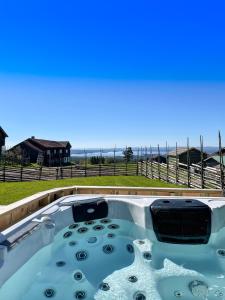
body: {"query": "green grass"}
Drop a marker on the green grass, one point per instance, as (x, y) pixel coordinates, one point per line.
(13, 191)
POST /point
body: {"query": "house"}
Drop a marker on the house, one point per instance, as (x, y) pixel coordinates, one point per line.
(158, 158)
(217, 153)
(3, 135)
(214, 161)
(44, 152)
(182, 153)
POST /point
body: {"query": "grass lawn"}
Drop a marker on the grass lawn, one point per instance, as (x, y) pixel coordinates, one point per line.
(13, 191)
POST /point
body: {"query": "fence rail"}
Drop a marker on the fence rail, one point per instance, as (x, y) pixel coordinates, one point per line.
(13, 174)
(191, 175)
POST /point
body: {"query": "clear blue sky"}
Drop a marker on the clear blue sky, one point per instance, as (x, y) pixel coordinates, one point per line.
(100, 73)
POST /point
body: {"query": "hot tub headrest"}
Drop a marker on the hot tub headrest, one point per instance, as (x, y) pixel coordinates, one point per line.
(181, 221)
(85, 211)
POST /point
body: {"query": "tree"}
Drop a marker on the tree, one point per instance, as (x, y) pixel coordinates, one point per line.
(128, 154)
(95, 160)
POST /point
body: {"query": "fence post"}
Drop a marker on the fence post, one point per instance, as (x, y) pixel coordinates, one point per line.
(100, 164)
(188, 164)
(3, 175)
(176, 165)
(61, 172)
(85, 163)
(114, 161)
(167, 164)
(159, 167)
(146, 163)
(141, 161)
(71, 171)
(202, 162)
(221, 164)
(152, 176)
(21, 173)
(57, 173)
(40, 172)
(126, 162)
(137, 162)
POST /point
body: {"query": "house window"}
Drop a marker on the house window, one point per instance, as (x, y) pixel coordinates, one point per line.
(60, 151)
(48, 152)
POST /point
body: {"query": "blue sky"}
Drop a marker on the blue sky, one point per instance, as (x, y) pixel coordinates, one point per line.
(100, 73)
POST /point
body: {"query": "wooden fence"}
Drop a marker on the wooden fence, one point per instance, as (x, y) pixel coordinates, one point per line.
(10, 174)
(194, 176)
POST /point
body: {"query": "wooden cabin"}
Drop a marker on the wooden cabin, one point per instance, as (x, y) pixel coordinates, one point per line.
(158, 158)
(214, 161)
(182, 155)
(44, 152)
(3, 135)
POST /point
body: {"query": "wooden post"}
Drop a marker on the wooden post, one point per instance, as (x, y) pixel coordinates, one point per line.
(221, 164)
(114, 161)
(126, 162)
(71, 171)
(167, 164)
(100, 164)
(61, 172)
(188, 164)
(3, 175)
(176, 165)
(152, 175)
(137, 162)
(21, 173)
(85, 163)
(202, 162)
(141, 161)
(40, 172)
(159, 169)
(146, 163)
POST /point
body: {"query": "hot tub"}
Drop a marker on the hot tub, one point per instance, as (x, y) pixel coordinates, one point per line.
(116, 247)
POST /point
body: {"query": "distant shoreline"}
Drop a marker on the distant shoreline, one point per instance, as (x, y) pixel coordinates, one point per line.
(109, 152)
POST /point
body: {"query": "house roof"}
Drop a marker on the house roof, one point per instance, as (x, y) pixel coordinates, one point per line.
(181, 151)
(217, 152)
(29, 144)
(216, 158)
(65, 143)
(3, 132)
(156, 156)
(40, 145)
(48, 143)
